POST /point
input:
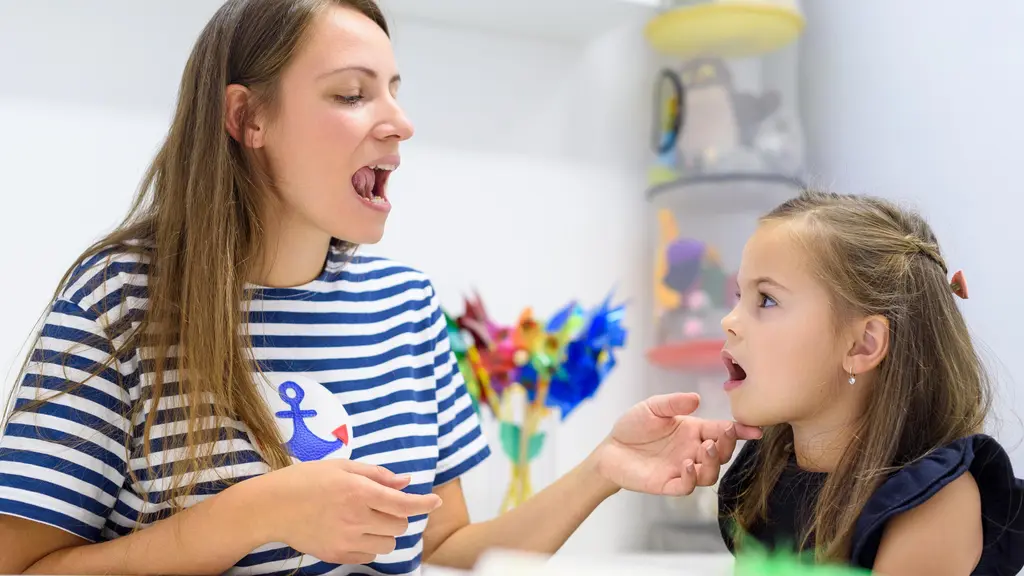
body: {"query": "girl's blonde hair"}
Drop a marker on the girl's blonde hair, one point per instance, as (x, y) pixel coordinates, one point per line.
(931, 388)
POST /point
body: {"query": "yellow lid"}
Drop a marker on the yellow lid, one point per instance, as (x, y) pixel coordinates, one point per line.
(724, 29)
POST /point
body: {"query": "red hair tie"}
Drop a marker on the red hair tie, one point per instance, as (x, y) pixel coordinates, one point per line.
(958, 284)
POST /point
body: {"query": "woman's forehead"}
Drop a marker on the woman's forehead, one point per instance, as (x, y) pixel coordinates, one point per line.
(344, 38)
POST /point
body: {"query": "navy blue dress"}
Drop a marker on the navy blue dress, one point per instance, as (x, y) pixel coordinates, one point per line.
(791, 503)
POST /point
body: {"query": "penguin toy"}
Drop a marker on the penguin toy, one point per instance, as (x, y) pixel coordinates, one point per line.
(717, 120)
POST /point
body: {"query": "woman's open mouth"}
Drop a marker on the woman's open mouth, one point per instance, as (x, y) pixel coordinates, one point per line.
(371, 184)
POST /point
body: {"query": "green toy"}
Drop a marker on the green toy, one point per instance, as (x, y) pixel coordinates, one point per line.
(755, 560)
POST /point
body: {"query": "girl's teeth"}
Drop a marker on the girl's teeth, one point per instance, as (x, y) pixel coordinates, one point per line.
(388, 167)
(377, 200)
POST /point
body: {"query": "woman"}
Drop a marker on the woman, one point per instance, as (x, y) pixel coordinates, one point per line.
(221, 386)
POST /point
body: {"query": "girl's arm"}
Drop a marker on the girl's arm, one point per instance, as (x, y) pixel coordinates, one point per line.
(204, 539)
(942, 536)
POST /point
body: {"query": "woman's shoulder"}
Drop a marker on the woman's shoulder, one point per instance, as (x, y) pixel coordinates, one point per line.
(99, 283)
(983, 461)
(354, 267)
(377, 276)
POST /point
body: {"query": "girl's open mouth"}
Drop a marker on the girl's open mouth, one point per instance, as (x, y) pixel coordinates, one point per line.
(736, 372)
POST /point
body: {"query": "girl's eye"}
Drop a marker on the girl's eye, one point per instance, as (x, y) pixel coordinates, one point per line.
(350, 100)
(767, 301)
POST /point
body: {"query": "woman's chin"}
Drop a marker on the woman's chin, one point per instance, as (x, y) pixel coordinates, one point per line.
(364, 234)
(367, 239)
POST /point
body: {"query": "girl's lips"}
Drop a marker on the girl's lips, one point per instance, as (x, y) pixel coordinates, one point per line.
(736, 373)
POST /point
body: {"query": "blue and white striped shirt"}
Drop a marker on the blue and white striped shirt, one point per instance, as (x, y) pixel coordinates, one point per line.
(367, 329)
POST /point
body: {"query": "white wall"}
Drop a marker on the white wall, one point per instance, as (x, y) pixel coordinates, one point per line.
(525, 178)
(919, 100)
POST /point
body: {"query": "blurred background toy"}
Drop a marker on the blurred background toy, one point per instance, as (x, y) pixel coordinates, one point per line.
(521, 374)
(693, 290)
(728, 146)
(757, 561)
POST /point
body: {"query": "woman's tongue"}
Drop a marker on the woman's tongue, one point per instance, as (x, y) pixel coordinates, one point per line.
(363, 182)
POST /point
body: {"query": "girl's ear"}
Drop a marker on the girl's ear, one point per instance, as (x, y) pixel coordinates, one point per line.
(870, 345)
(236, 102)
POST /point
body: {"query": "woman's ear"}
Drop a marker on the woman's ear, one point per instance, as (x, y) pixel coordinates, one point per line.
(236, 108)
(870, 345)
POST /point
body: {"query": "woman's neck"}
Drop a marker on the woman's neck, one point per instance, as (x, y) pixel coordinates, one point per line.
(294, 252)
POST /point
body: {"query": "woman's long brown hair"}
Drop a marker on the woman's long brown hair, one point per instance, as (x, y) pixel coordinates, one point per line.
(196, 219)
(931, 388)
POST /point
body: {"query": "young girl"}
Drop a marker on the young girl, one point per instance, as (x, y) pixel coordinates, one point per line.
(848, 348)
(220, 385)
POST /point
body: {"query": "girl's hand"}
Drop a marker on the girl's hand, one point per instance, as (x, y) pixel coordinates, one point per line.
(339, 511)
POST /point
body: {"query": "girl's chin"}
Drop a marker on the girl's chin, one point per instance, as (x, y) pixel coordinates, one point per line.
(742, 414)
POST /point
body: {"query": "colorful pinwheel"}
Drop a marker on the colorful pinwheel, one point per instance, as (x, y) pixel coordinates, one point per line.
(535, 367)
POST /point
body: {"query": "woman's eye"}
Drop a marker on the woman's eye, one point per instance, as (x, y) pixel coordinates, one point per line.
(350, 100)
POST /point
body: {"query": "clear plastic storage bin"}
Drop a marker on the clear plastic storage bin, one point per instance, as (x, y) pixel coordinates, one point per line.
(727, 146)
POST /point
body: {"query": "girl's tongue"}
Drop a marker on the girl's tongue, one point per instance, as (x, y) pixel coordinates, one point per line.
(363, 182)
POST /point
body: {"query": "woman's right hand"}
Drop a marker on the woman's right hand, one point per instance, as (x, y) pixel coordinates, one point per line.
(339, 511)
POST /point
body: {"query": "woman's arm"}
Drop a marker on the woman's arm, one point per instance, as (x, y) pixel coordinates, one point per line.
(340, 511)
(203, 539)
(654, 448)
(542, 524)
(942, 536)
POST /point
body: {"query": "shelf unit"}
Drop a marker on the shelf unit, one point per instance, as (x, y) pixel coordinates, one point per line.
(729, 193)
(727, 29)
(726, 154)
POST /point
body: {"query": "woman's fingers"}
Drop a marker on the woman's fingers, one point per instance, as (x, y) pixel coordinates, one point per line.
(685, 483)
(708, 464)
(374, 544)
(381, 524)
(397, 503)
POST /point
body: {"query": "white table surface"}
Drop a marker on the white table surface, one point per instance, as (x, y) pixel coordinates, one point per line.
(509, 564)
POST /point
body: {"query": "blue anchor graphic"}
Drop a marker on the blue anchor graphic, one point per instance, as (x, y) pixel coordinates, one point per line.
(305, 445)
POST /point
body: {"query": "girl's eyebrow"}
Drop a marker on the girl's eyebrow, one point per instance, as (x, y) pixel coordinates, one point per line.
(770, 282)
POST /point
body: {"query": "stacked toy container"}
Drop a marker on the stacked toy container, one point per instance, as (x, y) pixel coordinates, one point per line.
(727, 146)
